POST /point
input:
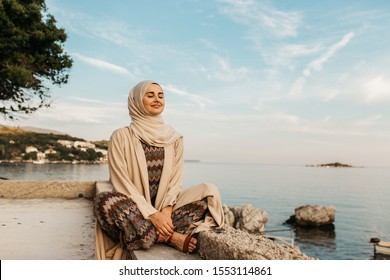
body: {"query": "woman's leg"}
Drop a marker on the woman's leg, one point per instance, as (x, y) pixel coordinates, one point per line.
(182, 218)
(121, 220)
(189, 214)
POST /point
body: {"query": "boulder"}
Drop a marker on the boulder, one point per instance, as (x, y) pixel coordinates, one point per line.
(229, 216)
(246, 218)
(313, 216)
(235, 244)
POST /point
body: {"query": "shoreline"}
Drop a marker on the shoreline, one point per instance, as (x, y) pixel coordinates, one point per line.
(10, 162)
(67, 162)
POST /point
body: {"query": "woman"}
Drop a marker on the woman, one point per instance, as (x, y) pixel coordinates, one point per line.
(147, 204)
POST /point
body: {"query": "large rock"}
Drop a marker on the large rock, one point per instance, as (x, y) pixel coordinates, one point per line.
(235, 244)
(246, 218)
(314, 215)
(229, 215)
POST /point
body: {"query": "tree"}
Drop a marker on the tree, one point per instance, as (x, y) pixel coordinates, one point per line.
(30, 155)
(31, 56)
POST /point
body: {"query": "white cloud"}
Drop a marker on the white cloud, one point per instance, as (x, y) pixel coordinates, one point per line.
(201, 101)
(257, 14)
(119, 32)
(208, 44)
(79, 113)
(377, 89)
(284, 117)
(223, 71)
(297, 87)
(330, 94)
(315, 129)
(87, 100)
(80, 118)
(101, 64)
(316, 65)
(111, 30)
(115, 32)
(320, 142)
(281, 23)
(369, 121)
(283, 55)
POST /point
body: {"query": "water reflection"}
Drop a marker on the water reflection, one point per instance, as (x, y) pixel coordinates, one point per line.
(316, 237)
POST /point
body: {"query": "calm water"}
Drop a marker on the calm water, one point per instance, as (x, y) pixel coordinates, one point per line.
(361, 197)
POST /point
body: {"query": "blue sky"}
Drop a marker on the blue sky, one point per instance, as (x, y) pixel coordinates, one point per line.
(280, 82)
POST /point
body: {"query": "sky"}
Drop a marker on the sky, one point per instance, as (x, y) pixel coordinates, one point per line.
(269, 82)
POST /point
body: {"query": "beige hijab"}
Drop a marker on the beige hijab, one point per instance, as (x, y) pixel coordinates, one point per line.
(146, 127)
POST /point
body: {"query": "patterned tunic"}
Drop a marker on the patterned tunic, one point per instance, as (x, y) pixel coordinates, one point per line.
(155, 162)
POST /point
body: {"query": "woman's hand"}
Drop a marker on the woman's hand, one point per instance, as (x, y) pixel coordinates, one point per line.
(162, 222)
(167, 211)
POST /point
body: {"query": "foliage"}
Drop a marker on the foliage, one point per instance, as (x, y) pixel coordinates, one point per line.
(31, 56)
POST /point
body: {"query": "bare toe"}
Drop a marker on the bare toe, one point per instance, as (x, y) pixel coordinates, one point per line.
(192, 244)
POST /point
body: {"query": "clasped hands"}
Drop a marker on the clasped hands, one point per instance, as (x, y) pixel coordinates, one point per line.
(162, 221)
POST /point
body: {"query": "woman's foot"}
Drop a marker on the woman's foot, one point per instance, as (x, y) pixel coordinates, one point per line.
(183, 243)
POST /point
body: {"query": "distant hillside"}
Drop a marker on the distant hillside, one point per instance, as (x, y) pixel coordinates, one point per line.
(15, 140)
(40, 130)
(22, 129)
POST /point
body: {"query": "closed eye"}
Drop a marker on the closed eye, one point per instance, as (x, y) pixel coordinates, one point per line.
(151, 95)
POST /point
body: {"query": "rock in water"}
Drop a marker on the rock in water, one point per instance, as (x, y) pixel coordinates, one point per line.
(315, 215)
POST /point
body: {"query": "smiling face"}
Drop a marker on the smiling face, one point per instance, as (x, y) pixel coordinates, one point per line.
(153, 100)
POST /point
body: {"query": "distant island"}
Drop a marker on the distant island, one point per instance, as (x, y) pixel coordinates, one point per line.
(333, 164)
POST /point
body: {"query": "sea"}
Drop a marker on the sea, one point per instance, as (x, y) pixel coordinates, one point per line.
(361, 197)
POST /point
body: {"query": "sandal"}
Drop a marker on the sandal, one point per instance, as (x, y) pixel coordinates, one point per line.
(186, 243)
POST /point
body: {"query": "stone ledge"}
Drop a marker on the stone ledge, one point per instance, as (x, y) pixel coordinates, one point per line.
(162, 252)
(103, 186)
(46, 189)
